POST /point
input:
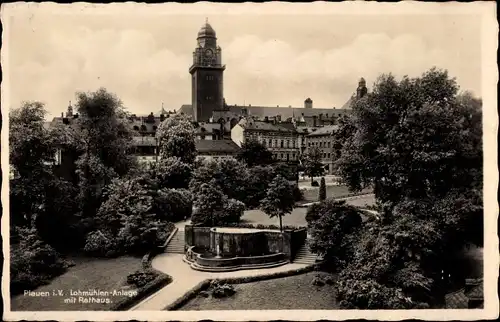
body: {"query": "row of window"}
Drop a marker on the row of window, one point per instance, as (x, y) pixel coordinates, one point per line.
(210, 77)
(278, 143)
(285, 156)
(321, 144)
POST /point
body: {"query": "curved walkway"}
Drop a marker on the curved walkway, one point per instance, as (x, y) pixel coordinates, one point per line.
(185, 278)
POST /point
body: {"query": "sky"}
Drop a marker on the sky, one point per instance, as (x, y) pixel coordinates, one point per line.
(273, 59)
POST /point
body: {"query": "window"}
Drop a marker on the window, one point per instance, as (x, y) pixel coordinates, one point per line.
(328, 144)
(287, 143)
(287, 156)
(328, 155)
(282, 142)
(210, 77)
(309, 144)
(281, 155)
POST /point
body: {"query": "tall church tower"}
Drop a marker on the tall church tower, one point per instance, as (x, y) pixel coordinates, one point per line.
(206, 75)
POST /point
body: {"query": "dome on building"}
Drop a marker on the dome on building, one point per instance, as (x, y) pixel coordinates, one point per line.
(206, 31)
(362, 81)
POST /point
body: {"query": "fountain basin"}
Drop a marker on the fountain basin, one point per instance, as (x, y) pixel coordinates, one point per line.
(203, 260)
(226, 249)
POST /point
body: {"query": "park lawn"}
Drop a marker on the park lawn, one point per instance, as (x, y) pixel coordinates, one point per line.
(311, 194)
(256, 216)
(362, 201)
(287, 293)
(298, 216)
(87, 274)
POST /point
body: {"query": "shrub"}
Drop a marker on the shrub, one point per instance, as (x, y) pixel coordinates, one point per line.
(174, 204)
(369, 294)
(233, 210)
(213, 207)
(298, 195)
(141, 277)
(220, 290)
(99, 244)
(322, 190)
(318, 281)
(315, 183)
(34, 263)
(204, 294)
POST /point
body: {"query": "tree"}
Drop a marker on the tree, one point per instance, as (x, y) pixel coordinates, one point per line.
(331, 224)
(311, 162)
(127, 221)
(279, 199)
(209, 202)
(253, 153)
(176, 139)
(228, 175)
(322, 189)
(171, 172)
(212, 207)
(414, 138)
(257, 180)
(419, 143)
(342, 134)
(104, 140)
(31, 150)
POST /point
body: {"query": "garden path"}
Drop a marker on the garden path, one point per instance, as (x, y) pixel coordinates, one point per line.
(185, 278)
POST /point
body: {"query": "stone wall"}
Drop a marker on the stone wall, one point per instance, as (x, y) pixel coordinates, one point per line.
(234, 243)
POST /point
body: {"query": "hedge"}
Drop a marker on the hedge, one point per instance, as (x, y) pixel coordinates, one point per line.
(235, 280)
(159, 282)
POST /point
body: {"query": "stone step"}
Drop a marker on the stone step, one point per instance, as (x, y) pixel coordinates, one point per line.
(306, 256)
(197, 267)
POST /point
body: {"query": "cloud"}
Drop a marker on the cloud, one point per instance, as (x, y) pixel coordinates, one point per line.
(144, 73)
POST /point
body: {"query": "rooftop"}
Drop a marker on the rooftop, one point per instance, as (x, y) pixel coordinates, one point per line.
(325, 130)
(216, 146)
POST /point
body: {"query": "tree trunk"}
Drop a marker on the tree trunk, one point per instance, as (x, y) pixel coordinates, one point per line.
(281, 224)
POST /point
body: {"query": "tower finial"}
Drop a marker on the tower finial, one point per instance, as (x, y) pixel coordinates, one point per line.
(206, 19)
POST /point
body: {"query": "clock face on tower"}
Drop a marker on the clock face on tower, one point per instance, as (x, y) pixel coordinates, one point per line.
(209, 53)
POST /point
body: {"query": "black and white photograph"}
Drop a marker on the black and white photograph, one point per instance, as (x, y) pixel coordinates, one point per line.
(249, 161)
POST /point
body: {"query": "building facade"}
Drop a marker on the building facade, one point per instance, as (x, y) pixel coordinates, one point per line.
(322, 139)
(216, 149)
(279, 138)
(285, 131)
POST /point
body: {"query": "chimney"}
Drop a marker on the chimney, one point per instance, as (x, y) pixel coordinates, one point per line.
(326, 115)
(320, 116)
(62, 114)
(315, 120)
(278, 118)
(266, 119)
